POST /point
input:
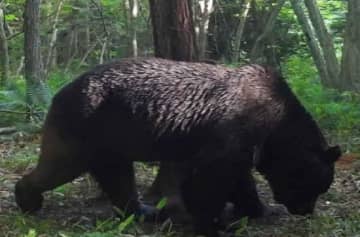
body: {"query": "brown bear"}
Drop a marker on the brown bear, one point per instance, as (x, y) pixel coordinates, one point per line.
(211, 116)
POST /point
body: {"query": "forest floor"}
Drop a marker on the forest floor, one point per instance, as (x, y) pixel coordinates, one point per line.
(75, 209)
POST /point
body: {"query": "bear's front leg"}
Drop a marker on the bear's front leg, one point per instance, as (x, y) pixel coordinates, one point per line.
(245, 197)
(247, 202)
(206, 192)
(117, 180)
(115, 175)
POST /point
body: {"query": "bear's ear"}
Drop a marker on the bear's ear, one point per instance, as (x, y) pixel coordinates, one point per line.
(332, 154)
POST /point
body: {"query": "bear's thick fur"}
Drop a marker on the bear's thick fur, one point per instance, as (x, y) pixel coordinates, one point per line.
(213, 116)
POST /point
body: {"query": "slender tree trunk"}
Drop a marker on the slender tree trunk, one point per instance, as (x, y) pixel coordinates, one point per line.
(21, 66)
(257, 50)
(173, 29)
(203, 12)
(54, 56)
(87, 38)
(49, 59)
(85, 34)
(311, 40)
(71, 49)
(240, 30)
(350, 70)
(326, 43)
(76, 44)
(127, 16)
(134, 11)
(103, 50)
(36, 92)
(4, 51)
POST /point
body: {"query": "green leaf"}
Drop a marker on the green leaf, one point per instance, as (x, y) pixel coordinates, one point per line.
(10, 17)
(241, 226)
(162, 203)
(125, 224)
(31, 233)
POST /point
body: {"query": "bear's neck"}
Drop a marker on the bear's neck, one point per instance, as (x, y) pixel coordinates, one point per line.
(298, 128)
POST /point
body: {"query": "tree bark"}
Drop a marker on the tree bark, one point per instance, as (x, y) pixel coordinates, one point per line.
(350, 70)
(326, 43)
(240, 30)
(51, 50)
(21, 66)
(257, 50)
(70, 52)
(311, 41)
(134, 10)
(85, 33)
(173, 29)
(204, 9)
(4, 51)
(36, 92)
(174, 38)
(103, 50)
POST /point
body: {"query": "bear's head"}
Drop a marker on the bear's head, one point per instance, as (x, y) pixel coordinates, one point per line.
(297, 178)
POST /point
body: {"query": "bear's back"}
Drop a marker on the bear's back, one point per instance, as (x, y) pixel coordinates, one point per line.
(173, 95)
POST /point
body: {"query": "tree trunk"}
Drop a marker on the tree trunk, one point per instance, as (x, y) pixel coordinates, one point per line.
(326, 43)
(203, 10)
(134, 10)
(240, 30)
(21, 66)
(4, 52)
(50, 59)
(36, 92)
(85, 33)
(173, 29)
(174, 38)
(311, 41)
(76, 44)
(257, 50)
(70, 53)
(350, 70)
(127, 16)
(103, 50)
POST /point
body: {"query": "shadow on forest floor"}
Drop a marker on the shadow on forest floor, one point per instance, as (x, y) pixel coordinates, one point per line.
(78, 208)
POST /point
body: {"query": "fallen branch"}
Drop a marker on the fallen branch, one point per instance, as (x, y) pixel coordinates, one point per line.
(7, 130)
(14, 35)
(87, 54)
(12, 112)
(19, 112)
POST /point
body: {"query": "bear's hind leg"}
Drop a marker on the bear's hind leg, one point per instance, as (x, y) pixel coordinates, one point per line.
(59, 163)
